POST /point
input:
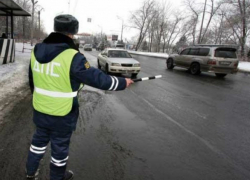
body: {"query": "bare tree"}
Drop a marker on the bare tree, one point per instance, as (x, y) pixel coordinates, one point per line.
(142, 18)
(174, 30)
(32, 21)
(221, 22)
(237, 19)
(165, 13)
(194, 17)
(23, 25)
(165, 36)
(203, 16)
(150, 37)
(242, 8)
(24, 19)
(212, 13)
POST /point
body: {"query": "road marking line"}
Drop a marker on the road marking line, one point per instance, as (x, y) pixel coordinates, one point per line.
(206, 143)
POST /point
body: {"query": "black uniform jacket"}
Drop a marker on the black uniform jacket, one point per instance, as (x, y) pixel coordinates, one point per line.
(80, 72)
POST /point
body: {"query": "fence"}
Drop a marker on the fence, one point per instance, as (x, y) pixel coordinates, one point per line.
(23, 46)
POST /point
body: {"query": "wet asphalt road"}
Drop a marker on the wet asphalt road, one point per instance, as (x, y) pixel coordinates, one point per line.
(184, 126)
(179, 127)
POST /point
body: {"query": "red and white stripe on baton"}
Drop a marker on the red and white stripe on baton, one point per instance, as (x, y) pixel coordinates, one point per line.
(147, 78)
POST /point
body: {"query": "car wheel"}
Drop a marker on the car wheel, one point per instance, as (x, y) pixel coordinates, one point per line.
(134, 75)
(98, 64)
(219, 75)
(170, 63)
(107, 69)
(195, 69)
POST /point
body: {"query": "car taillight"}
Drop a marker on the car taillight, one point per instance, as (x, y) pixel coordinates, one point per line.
(236, 64)
(211, 62)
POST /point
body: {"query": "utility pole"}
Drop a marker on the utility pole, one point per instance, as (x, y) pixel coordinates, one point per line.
(122, 26)
(122, 31)
(39, 25)
(32, 21)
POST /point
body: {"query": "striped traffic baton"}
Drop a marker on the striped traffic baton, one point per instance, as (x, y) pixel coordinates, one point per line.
(147, 78)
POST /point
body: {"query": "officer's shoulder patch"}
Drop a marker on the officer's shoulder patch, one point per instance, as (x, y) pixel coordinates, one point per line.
(87, 66)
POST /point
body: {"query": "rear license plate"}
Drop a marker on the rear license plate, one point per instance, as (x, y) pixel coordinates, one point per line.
(225, 63)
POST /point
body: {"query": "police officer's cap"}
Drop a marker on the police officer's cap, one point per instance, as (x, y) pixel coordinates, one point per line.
(66, 23)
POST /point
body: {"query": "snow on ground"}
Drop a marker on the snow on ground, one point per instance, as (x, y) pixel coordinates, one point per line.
(14, 75)
(243, 66)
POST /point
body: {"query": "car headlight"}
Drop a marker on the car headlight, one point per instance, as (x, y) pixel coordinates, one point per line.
(115, 64)
(136, 65)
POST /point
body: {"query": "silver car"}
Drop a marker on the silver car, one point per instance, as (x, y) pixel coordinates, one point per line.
(87, 47)
(118, 61)
(219, 59)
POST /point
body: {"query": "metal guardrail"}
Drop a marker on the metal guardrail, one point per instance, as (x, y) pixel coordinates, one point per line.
(24, 48)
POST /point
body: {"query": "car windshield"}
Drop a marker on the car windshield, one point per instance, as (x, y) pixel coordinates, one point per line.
(225, 53)
(119, 54)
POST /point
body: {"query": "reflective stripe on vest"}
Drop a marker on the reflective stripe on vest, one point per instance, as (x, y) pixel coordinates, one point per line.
(55, 94)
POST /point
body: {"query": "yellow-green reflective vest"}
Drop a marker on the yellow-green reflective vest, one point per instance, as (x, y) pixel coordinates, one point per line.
(53, 94)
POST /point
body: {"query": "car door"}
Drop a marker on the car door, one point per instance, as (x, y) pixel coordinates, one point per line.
(180, 59)
(104, 56)
(100, 58)
(192, 54)
(203, 57)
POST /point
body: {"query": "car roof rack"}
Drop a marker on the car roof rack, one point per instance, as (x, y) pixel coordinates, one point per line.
(217, 45)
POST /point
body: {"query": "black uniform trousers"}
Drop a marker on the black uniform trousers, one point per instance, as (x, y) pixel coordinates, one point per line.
(59, 151)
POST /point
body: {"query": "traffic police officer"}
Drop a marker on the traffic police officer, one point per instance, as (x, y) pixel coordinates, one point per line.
(57, 71)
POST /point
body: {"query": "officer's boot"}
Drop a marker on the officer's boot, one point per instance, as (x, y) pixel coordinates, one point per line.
(69, 175)
(32, 177)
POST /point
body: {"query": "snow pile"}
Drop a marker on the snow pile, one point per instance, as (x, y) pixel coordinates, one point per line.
(160, 55)
(14, 75)
(244, 66)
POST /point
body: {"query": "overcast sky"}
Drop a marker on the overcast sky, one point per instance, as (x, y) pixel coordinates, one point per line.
(104, 14)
